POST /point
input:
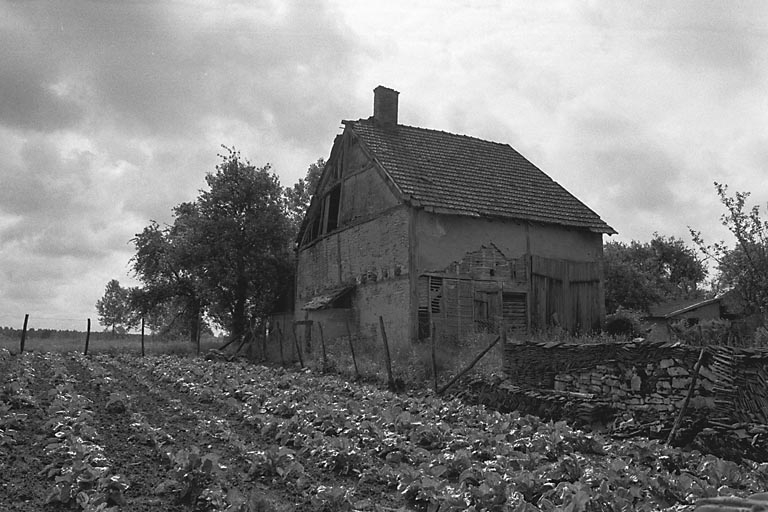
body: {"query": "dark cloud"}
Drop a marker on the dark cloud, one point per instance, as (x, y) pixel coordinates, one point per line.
(111, 113)
(170, 68)
(28, 95)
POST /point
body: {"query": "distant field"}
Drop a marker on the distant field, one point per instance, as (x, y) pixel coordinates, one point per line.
(106, 344)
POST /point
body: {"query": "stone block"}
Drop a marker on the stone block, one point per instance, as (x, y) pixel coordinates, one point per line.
(706, 373)
(666, 363)
(677, 371)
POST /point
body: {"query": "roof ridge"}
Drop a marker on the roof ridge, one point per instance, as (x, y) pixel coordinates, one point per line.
(433, 130)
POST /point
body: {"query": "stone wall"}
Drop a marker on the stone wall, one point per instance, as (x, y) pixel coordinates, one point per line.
(647, 380)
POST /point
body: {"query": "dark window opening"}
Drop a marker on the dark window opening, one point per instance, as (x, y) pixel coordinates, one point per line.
(343, 302)
(315, 229)
(333, 199)
(424, 327)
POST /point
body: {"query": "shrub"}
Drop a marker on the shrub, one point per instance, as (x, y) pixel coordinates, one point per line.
(623, 322)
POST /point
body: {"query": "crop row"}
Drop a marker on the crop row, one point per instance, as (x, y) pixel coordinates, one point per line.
(232, 433)
(195, 480)
(438, 453)
(77, 469)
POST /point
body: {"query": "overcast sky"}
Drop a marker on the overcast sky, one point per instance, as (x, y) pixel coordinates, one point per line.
(111, 113)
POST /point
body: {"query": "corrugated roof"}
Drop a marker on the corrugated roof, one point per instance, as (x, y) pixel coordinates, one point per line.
(464, 175)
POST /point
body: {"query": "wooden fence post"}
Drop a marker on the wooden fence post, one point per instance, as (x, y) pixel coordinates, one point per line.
(434, 357)
(298, 345)
(387, 359)
(280, 342)
(87, 337)
(471, 365)
(691, 388)
(142, 335)
(352, 350)
(264, 342)
(24, 333)
(199, 322)
(322, 344)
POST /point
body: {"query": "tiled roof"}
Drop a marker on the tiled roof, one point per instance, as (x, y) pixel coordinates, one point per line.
(469, 176)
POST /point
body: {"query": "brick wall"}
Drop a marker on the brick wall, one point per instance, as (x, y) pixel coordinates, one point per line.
(372, 251)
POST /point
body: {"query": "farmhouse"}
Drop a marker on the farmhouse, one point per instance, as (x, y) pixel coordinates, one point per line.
(442, 233)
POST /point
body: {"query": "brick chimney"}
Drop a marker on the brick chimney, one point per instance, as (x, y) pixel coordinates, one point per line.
(385, 106)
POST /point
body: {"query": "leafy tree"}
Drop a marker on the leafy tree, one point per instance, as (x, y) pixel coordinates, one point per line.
(743, 267)
(638, 275)
(300, 194)
(224, 254)
(240, 232)
(164, 263)
(113, 308)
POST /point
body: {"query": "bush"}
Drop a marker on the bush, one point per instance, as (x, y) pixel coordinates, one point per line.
(623, 322)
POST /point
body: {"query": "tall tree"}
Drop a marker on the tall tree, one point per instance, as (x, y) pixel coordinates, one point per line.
(240, 233)
(743, 267)
(165, 264)
(638, 275)
(113, 308)
(226, 253)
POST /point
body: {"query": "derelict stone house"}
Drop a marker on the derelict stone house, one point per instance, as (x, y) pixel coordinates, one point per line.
(427, 228)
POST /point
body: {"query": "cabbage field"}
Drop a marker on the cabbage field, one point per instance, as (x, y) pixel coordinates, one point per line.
(170, 433)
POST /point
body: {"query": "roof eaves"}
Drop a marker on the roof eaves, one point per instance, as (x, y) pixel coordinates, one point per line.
(692, 307)
(323, 300)
(451, 211)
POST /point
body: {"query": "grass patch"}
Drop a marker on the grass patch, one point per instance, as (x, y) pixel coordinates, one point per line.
(107, 344)
(411, 362)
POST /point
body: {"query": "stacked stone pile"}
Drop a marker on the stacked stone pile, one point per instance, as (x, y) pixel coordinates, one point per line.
(646, 378)
(657, 388)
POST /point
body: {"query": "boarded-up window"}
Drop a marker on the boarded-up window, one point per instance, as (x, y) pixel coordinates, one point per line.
(435, 293)
(430, 290)
(486, 311)
(423, 313)
(515, 311)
